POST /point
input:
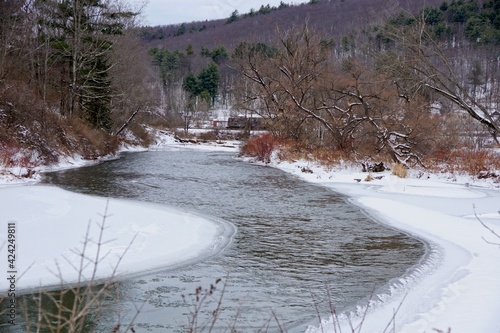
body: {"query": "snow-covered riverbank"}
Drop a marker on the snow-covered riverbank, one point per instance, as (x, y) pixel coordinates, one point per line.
(458, 286)
(51, 228)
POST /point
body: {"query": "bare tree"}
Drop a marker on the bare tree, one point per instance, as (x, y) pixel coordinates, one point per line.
(418, 61)
(341, 104)
(13, 36)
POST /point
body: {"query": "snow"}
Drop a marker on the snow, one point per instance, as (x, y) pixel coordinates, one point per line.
(138, 237)
(457, 284)
(51, 227)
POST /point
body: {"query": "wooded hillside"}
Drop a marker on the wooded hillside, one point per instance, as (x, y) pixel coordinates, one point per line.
(71, 73)
(336, 18)
(409, 80)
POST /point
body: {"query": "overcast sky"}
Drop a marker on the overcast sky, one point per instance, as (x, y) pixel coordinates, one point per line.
(163, 12)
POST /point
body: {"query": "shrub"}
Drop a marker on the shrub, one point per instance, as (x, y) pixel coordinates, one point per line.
(212, 135)
(260, 147)
(474, 162)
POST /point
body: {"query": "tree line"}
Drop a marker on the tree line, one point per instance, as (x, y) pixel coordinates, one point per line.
(70, 74)
(408, 88)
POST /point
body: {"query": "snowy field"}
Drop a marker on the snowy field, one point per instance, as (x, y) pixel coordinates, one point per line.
(457, 286)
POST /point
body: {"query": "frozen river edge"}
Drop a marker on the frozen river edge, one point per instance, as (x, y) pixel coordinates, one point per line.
(138, 238)
(460, 291)
(458, 285)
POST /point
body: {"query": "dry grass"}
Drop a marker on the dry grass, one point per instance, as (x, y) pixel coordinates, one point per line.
(92, 143)
(330, 157)
(400, 170)
(209, 136)
(474, 162)
(293, 151)
(369, 178)
(478, 163)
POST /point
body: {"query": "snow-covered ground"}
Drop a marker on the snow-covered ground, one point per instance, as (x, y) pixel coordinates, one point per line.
(52, 225)
(457, 286)
(51, 230)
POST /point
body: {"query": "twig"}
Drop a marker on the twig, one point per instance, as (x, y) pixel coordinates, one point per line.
(487, 228)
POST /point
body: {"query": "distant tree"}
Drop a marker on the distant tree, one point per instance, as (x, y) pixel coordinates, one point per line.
(205, 52)
(253, 50)
(345, 44)
(218, 54)
(205, 85)
(233, 18)
(402, 19)
(209, 79)
(475, 28)
(349, 45)
(476, 77)
(432, 15)
(171, 64)
(461, 11)
(160, 33)
(265, 9)
(251, 13)
(283, 5)
(192, 85)
(444, 6)
(181, 30)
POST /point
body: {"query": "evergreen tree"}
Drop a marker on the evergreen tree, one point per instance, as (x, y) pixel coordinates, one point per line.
(191, 84)
(233, 18)
(77, 33)
(218, 54)
(205, 85)
(170, 64)
(96, 105)
(209, 80)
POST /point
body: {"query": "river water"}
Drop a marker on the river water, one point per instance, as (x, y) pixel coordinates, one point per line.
(294, 241)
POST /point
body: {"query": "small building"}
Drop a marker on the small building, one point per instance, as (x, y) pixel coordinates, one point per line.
(253, 122)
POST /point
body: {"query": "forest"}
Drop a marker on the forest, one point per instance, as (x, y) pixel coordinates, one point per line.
(69, 74)
(415, 83)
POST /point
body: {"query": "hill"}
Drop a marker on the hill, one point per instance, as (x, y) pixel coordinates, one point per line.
(334, 73)
(360, 77)
(335, 18)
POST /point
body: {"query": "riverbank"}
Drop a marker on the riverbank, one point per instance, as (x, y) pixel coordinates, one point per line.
(458, 285)
(54, 227)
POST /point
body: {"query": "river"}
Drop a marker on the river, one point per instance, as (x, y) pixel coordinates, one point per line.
(294, 241)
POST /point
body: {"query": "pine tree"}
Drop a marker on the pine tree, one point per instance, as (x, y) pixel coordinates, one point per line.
(209, 80)
(78, 35)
